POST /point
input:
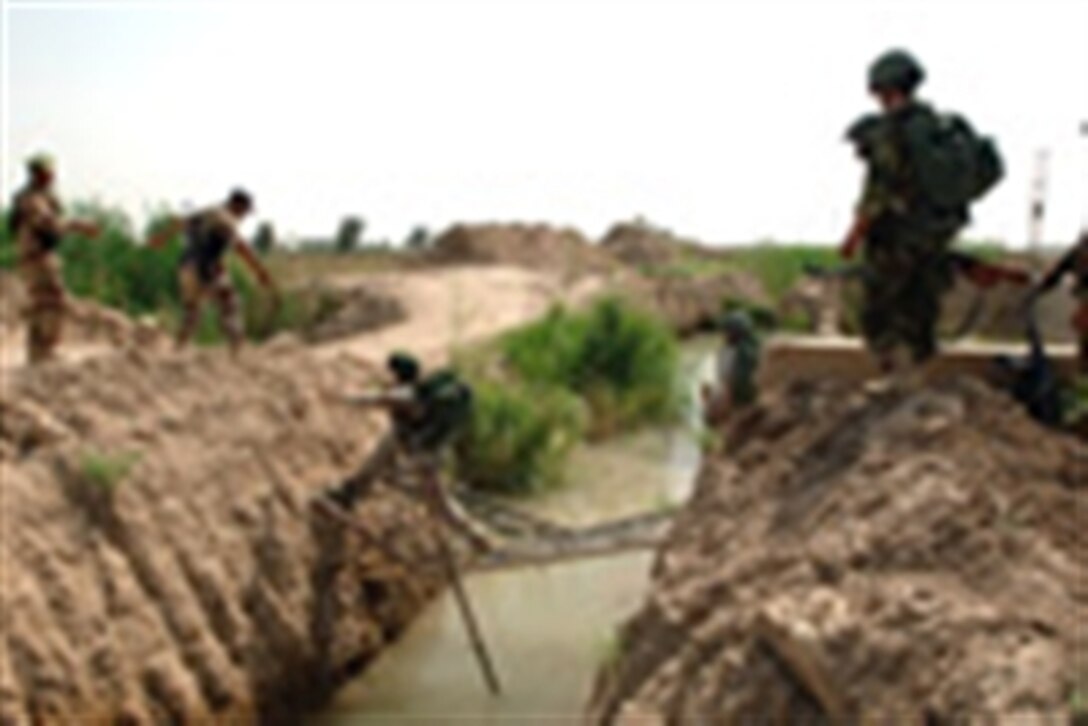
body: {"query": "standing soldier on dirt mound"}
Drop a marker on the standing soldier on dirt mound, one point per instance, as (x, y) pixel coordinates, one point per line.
(1075, 263)
(923, 170)
(38, 225)
(202, 274)
(426, 413)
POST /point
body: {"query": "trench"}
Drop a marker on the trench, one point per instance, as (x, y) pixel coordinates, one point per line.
(549, 627)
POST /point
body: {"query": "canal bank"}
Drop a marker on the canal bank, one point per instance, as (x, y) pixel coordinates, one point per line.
(550, 628)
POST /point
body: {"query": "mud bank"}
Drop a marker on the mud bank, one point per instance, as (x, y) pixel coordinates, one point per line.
(868, 558)
(160, 558)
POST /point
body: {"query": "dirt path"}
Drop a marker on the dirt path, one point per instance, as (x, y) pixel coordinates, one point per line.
(451, 307)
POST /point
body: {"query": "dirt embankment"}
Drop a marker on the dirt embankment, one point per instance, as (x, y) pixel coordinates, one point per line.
(868, 558)
(537, 246)
(160, 558)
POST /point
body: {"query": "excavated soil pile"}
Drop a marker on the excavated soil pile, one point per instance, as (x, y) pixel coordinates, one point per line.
(640, 245)
(351, 310)
(536, 246)
(869, 558)
(161, 562)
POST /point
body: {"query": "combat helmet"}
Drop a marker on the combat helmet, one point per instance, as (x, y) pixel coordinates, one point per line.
(40, 163)
(896, 70)
(737, 322)
(404, 366)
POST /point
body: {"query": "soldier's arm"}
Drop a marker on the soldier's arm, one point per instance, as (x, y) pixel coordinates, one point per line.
(254, 263)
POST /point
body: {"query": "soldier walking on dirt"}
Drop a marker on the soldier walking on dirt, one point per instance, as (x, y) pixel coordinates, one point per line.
(923, 169)
(1075, 263)
(202, 274)
(736, 367)
(426, 412)
(38, 225)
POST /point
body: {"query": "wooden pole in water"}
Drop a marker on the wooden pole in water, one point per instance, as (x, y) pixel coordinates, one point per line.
(468, 616)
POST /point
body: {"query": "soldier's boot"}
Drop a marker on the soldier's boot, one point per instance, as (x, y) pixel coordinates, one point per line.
(190, 317)
(359, 484)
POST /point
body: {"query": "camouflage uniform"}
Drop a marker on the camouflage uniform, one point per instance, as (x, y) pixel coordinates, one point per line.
(738, 362)
(905, 269)
(202, 273)
(38, 230)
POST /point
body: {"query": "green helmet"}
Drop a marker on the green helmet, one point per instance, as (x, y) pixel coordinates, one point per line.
(404, 366)
(41, 163)
(737, 322)
(896, 70)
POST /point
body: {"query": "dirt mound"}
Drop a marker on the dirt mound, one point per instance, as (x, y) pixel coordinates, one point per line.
(345, 311)
(88, 322)
(160, 559)
(869, 558)
(641, 245)
(537, 246)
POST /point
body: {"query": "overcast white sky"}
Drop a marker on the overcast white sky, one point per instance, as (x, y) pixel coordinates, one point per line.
(721, 120)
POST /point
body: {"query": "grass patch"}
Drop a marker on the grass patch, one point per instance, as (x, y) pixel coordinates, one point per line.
(622, 362)
(106, 471)
(518, 438)
(778, 267)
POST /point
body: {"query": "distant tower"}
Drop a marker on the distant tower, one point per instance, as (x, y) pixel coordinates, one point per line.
(1037, 201)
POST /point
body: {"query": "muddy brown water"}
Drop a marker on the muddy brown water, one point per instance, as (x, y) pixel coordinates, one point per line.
(549, 628)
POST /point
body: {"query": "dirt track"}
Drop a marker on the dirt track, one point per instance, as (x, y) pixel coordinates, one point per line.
(869, 558)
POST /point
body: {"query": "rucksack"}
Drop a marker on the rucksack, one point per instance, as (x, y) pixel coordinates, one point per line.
(952, 164)
(446, 403)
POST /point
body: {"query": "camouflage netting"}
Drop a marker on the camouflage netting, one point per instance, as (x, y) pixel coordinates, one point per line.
(868, 558)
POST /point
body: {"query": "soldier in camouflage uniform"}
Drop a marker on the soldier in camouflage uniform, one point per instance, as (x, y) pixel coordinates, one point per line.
(1075, 263)
(905, 266)
(736, 367)
(202, 274)
(426, 413)
(38, 225)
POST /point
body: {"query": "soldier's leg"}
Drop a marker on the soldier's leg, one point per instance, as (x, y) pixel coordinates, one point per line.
(45, 312)
(428, 469)
(192, 296)
(356, 486)
(230, 314)
(878, 318)
(922, 312)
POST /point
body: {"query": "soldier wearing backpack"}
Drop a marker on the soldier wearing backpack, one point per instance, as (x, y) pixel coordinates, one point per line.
(923, 170)
(38, 225)
(426, 412)
(202, 274)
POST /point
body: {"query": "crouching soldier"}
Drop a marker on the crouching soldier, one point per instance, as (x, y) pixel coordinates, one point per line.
(736, 367)
(38, 224)
(426, 413)
(202, 274)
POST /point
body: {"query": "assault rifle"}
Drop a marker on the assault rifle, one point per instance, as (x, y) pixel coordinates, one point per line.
(977, 271)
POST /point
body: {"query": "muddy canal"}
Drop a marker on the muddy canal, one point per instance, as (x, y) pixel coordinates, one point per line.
(549, 628)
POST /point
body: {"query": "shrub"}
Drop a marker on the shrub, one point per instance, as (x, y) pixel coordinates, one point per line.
(106, 471)
(623, 362)
(518, 437)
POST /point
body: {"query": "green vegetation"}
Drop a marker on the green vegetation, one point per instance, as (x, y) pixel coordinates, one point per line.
(778, 267)
(621, 361)
(105, 471)
(542, 388)
(518, 437)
